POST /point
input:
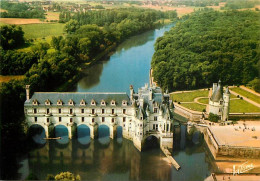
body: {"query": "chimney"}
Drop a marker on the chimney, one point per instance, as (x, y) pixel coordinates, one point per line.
(131, 92)
(27, 88)
(150, 94)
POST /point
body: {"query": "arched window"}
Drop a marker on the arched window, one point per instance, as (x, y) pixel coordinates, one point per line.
(70, 102)
(103, 102)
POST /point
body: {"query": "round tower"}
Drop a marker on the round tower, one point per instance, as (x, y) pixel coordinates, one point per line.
(226, 99)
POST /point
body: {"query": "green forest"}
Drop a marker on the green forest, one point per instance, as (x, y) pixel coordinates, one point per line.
(207, 46)
(20, 10)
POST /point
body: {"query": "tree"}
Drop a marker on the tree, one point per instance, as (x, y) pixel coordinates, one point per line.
(11, 36)
(71, 26)
(67, 176)
(213, 117)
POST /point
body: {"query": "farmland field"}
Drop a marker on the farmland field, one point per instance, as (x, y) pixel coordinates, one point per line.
(19, 21)
(33, 31)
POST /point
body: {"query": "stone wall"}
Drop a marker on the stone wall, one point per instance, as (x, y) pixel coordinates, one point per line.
(191, 115)
(227, 150)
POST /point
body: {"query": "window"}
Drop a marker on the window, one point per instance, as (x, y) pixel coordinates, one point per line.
(113, 120)
(48, 110)
(113, 111)
(103, 103)
(113, 102)
(141, 125)
(141, 118)
(93, 102)
(70, 102)
(93, 111)
(124, 125)
(71, 120)
(103, 119)
(71, 111)
(35, 102)
(48, 120)
(47, 102)
(124, 119)
(59, 102)
(93, 120)
(155, 118)
(167, 127)
(141, 134)
(82, 102)
(59, 111)
(82, 119)
(103, 111)
(35, 119)
(59, 119)
(124, 102)
(124, 111)
(156, 127)
(155, 110)
(82, 110)
(34, 110)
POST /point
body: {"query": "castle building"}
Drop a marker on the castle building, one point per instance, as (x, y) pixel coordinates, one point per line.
(146, 113)
(219, 101)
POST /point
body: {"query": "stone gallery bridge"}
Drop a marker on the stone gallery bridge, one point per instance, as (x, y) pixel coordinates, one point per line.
(140, 116)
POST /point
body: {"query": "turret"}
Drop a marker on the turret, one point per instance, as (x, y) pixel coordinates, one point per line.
(226, 99)
(215, 85)
(27, 88)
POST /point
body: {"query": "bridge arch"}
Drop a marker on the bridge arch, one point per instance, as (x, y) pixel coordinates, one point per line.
(61, 131)
(83, 134)
(151, 141)
(37, 133)
(103, 134)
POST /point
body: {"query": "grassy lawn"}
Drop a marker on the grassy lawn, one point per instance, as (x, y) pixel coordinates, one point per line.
(246, 94)
(189, 96)
(203, 100)
(241, 106)
(194, 106)
(34, 31)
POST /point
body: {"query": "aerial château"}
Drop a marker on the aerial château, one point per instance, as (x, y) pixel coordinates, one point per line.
(219, 101)
(143, 114)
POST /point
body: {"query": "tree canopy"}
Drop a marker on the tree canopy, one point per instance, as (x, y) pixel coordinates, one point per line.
(207, 46)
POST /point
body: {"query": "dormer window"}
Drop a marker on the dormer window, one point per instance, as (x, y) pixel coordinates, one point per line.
(47, 102)
(103, 103)
(35, 102)
(93, 102)
(59, 102)
(113, 102)
(155, 110)
(70, 102)
(82, 102)
(124, 103)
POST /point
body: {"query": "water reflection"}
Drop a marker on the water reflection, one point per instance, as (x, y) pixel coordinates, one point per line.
(37, 133)
(103, 135)
(83, 134)
(119, 159)
(62, 132)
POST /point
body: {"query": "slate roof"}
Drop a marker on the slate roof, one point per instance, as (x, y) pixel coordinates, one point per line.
(217, 94)
(41, 97)
(227, 91)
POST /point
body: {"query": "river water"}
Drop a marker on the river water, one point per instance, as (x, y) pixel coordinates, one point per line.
(118, 159)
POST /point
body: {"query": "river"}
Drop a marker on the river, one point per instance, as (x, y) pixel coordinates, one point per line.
(118, 159)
